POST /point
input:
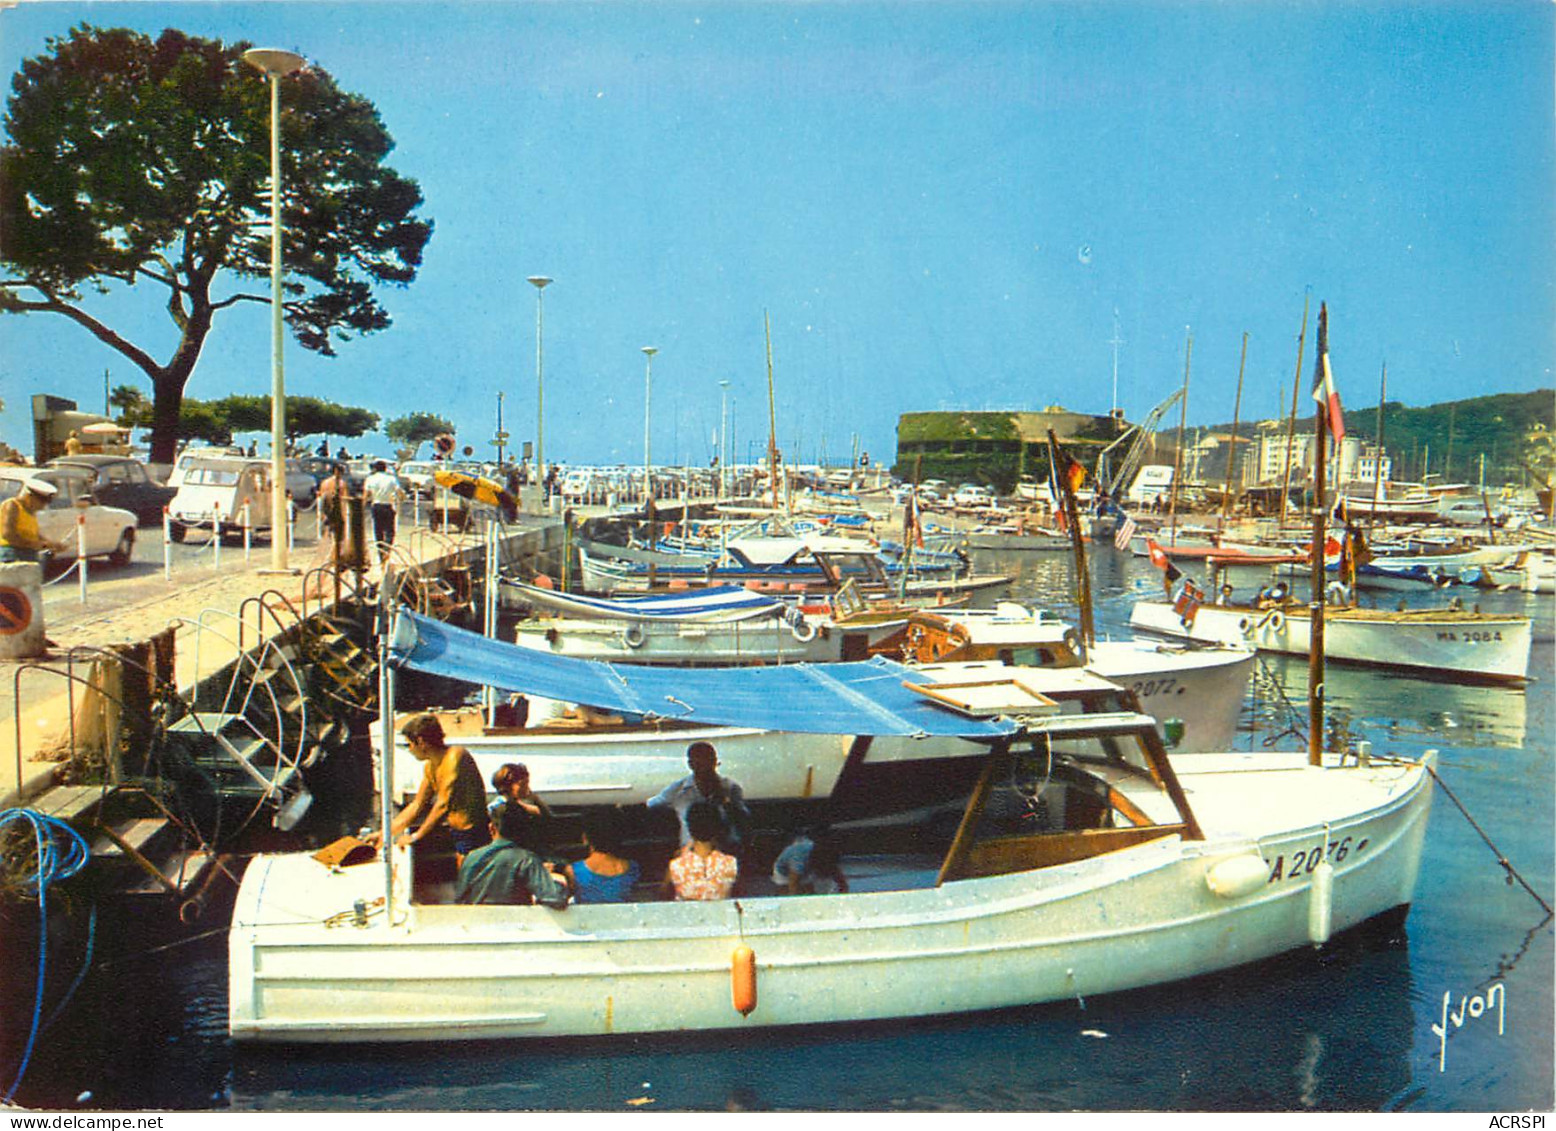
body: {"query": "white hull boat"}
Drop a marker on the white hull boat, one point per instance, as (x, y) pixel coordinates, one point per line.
(794, 639)
(1437, 643)
(1109, 886)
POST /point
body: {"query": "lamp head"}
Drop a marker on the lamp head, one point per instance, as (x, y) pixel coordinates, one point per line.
(539, 281)
(274, 60)
(651, 350)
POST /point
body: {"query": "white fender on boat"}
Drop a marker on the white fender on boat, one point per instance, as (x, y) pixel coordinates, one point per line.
(1275, 620)
(804, 631)
(1245, 626)
(1236, 876)
(632, 635)
(1320, 908)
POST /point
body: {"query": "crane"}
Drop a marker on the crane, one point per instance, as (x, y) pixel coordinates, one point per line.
(1133, 446)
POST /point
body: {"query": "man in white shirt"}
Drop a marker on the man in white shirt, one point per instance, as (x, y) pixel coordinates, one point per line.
(383, 494)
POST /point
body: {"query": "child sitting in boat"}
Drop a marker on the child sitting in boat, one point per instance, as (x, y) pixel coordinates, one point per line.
(519, 812)
(451, 795)
(701, 871)
(809, 865)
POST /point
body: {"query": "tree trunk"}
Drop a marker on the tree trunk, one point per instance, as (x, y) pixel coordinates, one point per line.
(168, 393)
(168, 382)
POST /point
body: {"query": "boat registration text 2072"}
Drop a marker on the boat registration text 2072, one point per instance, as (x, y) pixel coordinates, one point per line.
(1304, 860)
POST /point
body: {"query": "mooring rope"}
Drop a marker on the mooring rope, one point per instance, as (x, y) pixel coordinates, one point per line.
(61, 853)
(1507, 865)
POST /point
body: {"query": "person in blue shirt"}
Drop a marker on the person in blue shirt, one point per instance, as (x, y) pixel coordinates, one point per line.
(605, 875)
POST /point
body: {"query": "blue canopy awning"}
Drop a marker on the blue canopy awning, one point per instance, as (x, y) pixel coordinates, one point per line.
(846, 698)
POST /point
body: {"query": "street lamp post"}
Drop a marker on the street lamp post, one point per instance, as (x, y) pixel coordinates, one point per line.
(275, 62)
(648, 392)
(540, 282)
(723, 439)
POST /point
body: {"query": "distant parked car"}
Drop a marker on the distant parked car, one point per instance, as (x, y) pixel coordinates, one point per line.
(121, 481)
(969, 495)
(110, 531)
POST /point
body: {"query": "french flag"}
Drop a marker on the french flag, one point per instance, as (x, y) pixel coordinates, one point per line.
(1324, 391)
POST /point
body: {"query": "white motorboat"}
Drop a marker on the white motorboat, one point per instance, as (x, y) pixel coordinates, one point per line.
(1087, 860)
(1436, 643)
(796, 638)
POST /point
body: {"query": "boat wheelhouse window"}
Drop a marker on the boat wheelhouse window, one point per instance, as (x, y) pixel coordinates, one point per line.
(1031, 657)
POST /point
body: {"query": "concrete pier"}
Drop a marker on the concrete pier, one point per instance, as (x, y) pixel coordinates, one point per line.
(36, 697)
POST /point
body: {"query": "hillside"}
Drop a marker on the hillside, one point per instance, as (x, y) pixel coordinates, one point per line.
(1451, 435)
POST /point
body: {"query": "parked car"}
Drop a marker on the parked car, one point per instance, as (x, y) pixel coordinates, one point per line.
(220, 491)
(300, 484)
(972, 496)
(416, 476)
(110, 531)
(122, 481)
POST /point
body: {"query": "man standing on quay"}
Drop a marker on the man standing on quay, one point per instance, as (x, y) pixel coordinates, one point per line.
(383, 493)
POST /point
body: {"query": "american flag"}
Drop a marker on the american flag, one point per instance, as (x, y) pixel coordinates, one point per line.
(1126, 531)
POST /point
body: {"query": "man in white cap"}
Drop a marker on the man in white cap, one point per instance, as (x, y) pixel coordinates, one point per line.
(20, 538)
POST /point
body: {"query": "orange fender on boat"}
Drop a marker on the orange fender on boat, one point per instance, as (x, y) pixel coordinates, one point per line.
(742, 980)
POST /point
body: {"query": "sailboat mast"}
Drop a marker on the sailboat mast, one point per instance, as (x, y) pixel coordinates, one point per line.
(1315, 656)
(1291, 425)
(1177, 461)
(1231, 456)
(772, 412)
(1377, 459)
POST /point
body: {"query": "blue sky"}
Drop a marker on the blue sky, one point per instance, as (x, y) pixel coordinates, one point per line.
(938, 204)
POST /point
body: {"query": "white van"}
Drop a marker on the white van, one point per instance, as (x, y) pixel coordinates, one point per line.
(216, 489)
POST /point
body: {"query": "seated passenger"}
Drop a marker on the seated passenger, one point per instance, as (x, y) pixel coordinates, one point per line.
(451, 793)
(706, 785)
(809, 865)
(701, 871)
(604, 876)
(503, 872)
(519, 814)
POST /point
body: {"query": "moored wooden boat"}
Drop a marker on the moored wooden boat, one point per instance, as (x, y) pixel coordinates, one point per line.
(1435, 643)
(1087, 861)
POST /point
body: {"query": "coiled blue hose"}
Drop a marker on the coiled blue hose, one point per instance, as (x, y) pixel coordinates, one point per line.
(61, 852)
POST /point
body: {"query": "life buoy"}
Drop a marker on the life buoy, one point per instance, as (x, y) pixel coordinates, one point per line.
(1337, 593)
(632, 636)
(1274, 620)
(804, 631)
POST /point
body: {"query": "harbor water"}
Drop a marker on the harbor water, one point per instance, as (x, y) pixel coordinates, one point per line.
(1452, 1012)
